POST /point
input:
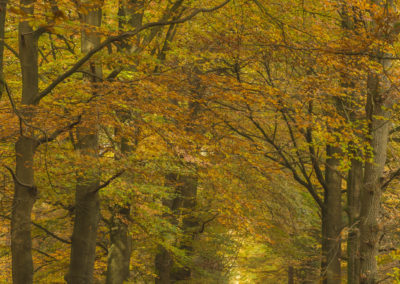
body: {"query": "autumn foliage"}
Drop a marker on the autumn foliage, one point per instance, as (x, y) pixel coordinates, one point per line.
(206, 141)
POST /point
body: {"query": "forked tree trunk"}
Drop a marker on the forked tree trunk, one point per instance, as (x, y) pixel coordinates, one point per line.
(25, 192)
(87, 205)
(332, 219)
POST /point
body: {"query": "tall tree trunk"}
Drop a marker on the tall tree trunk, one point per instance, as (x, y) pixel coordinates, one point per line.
(370, 230)
(120, 249)
(87, 205)
(163, 265)
(378, 107)
(332, 219)
(163, 259)
(355, 174)
(187, 188)
(290, 275)
(131, 14)
(182, 204)
(354, 185)
(25, 192)
(121, 243)
(3, 12)
(24, 198)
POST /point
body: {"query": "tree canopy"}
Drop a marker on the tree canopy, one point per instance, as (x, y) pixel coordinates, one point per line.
(199, 141)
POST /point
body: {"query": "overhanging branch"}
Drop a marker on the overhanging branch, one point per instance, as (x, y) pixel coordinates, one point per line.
(120, 37)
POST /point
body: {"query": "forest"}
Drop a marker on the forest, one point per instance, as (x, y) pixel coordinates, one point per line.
(199, 141)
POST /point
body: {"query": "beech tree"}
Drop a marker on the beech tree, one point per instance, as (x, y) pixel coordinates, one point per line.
(228, 141)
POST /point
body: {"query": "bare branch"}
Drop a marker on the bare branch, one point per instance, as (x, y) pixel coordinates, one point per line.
(391, 177)
(108, 181)
(43, 229)
(11, 49)
(17, 181)
(56, 133)
(50, 233)
(204, 223)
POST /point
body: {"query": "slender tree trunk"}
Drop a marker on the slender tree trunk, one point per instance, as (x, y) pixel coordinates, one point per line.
(355, 174)
(3, 12)
(163, 264)
(332, 219)
(187, 188)
(354, 185)
(182, 204)
(87, 205)
(131, 14)
(121, 243)
(163, 259)
(25, 192)
(370, 229)
(290, 275)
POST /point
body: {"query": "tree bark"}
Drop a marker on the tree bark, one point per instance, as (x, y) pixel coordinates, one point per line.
(131, 14)
(163, 265)
(379, 103)
(354, 185)
(332, 219)
(187, 188)
(163, 259)
(3, 13)
(183, 204)
(355, 174)
(25, 192)
(120, 249)
(290, 275)
(121, 243)
(24, 198)
(87, 205)
(370, 230)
